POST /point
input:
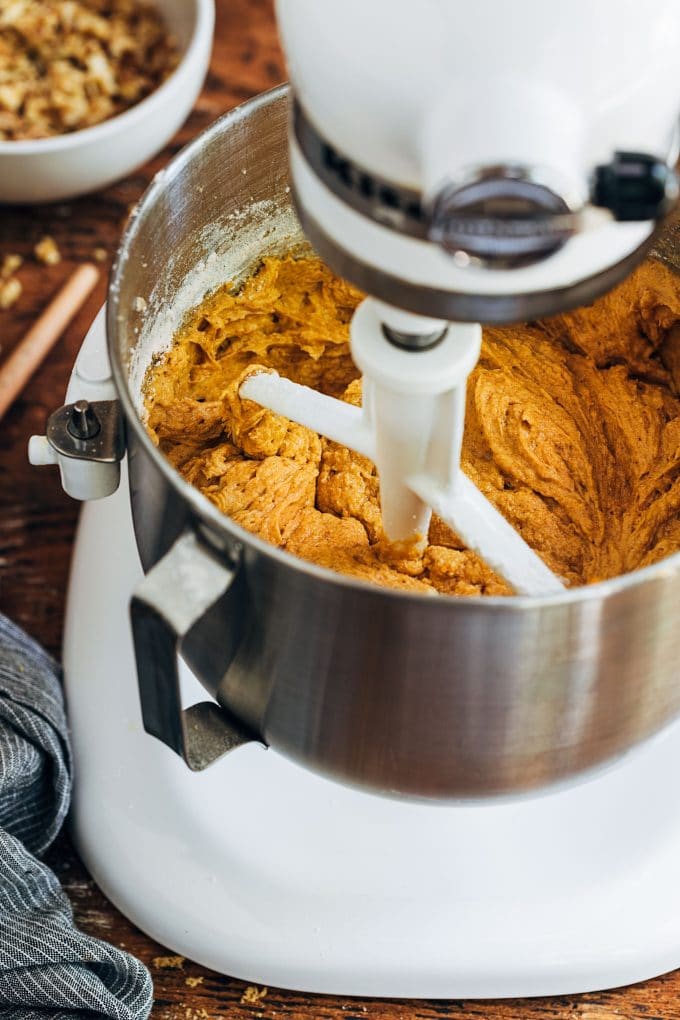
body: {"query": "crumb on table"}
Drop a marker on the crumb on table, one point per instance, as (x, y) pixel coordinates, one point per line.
(253, 995)
(10, 292)
(47, 252)
(168, 962)
(10, 264)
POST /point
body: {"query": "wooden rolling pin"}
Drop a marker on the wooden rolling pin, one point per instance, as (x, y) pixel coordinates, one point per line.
(30, 352)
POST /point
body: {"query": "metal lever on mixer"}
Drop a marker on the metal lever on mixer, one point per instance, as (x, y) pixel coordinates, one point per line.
(170, 600)
(86, 439)
(411, 426)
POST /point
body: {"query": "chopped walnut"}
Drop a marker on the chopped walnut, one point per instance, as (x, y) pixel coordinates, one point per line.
(9, 266)
(10, 291)
(70, 64)
(253, 995)
(46, 251)
(169, 962)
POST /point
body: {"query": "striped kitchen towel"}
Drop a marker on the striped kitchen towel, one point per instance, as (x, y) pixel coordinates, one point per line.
(48, 969)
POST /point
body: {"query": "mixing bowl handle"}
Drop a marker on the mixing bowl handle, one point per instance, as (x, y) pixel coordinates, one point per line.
(171, 599)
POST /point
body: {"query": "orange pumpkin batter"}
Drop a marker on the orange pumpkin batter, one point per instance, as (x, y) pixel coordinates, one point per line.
(572, 430)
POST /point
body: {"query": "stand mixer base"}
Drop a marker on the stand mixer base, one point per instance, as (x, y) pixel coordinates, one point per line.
(261, 870)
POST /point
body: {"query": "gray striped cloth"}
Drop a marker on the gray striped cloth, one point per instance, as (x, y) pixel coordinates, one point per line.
(48, 969)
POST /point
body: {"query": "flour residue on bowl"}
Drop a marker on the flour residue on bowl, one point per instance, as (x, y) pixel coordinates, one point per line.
(230, 249)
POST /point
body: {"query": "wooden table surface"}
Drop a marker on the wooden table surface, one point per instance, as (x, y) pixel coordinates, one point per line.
(37, 524)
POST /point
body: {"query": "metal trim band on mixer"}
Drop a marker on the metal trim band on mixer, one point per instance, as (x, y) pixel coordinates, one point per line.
(388, 203)
(458, 218)
(460, 306)
(502, 215)
(405, 211)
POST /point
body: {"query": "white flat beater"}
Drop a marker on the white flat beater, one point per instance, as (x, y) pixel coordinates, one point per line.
(410, 425)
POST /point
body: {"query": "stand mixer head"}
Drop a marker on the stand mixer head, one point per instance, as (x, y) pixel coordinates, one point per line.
(497, 197)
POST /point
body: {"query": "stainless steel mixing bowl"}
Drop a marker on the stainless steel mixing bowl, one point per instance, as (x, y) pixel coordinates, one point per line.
(400, 693)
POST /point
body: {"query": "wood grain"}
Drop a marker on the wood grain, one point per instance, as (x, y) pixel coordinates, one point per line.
(37, 523)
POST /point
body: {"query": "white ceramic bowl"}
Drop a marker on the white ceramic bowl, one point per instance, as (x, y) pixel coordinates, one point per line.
(52, 169)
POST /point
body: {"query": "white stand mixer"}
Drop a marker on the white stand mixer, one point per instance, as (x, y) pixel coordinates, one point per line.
(260, 869)
(535, 197)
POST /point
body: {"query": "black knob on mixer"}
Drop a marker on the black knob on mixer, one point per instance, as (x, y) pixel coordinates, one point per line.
(635, 186)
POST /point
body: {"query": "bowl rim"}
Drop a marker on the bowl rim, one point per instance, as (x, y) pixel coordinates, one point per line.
(204, 23)
(217, 521)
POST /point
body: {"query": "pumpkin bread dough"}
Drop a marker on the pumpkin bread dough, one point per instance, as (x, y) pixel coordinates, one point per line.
(572, 430)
